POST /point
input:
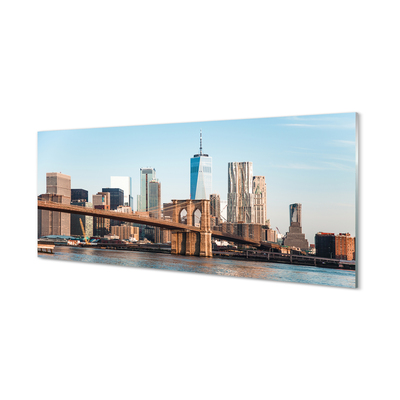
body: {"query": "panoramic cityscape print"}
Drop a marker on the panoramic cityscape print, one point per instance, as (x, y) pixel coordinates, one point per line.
(265, 198)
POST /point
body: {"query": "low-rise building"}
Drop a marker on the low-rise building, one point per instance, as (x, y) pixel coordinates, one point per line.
(125, 232)
(329, 245)
(124, 209)
(325, 244)
(252, 231)
(345, 247)
(271, 236)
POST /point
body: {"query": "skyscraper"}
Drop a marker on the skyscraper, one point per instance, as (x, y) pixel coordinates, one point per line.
(54, 222)
(116, 200)
(87, 221)
(155, 198)
(79, 194)
(124, 183)
(101, 201)
(215, 205)
(240, 193)
(200, 175)
(215, 209)
(146, 175)
(101, 226)
(155, 205)
(58, 183)
(116, 197)
(58, 190)
(260, 200)
(295, 214)
(295, 237)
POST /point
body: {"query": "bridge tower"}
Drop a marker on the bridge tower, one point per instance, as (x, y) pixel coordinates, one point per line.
(187, 242)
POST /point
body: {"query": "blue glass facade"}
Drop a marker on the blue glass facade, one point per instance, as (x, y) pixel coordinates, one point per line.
(200, 177)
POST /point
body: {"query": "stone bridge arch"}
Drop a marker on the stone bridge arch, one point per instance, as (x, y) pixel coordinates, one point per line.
(191, 206)
(187, 242)
(182, 216)
(197, 217)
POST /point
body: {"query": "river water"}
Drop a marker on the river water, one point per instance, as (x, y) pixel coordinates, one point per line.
(246, 269)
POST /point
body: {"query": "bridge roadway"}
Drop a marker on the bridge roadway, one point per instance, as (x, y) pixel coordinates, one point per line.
(140, 219)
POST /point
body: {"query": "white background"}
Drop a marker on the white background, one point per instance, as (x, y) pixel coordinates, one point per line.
(83, 331)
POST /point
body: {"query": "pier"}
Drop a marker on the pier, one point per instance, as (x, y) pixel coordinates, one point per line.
(269, 256)
(46, 248)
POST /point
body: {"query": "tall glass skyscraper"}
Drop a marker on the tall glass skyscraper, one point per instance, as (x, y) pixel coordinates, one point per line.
(155, 198)
(200, 175)
(146, 176)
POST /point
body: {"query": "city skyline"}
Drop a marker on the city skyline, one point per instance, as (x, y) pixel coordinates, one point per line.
(306, 159)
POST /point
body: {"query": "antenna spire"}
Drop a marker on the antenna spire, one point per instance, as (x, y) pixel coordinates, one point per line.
(201, 144)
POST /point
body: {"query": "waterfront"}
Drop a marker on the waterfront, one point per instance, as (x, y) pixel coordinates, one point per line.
(246, 269)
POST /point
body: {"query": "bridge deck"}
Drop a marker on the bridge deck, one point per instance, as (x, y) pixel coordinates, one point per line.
(117, 216)
(139, 219)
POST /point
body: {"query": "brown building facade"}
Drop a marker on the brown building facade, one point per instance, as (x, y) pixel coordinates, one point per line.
(58, 183)
(340, 246)
(252, 231)
(58, 190)
(126, 232)
(345, 247)
(53, 222)
(271, 236)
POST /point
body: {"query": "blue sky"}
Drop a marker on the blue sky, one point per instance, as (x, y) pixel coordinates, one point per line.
(306, 159)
